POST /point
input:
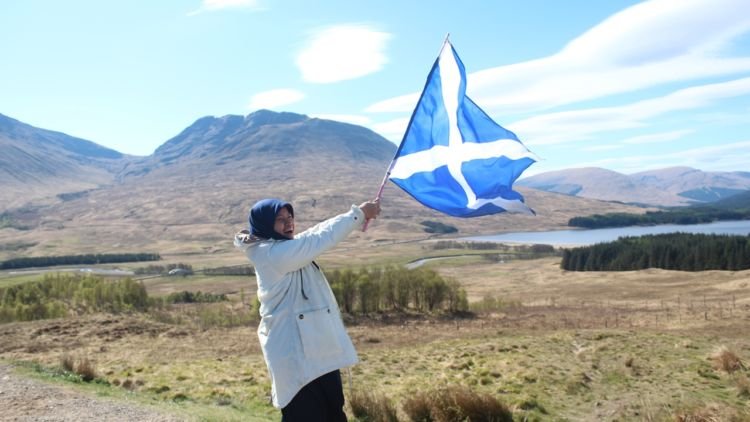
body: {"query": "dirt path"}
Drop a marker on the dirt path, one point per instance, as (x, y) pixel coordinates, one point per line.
(24, 399)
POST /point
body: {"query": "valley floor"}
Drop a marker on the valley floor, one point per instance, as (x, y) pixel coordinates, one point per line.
(647, 346)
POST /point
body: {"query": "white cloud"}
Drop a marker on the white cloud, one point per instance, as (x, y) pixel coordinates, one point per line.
(275, 98)
(578, 125)
(214, 5)
(596, 148)
(393, 130)
(346, 118)
(727, 157)
(403, 103)
(657, 137)
(343, 52)
(647, 45)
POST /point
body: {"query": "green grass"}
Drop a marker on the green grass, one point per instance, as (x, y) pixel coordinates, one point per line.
(548, 379)
(9, 280)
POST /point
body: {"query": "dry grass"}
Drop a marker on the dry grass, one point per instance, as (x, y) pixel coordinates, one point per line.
(372, 407)
(711, 413)
(578, 346)
(82, 366)
(418, 407)
(726, 360)
(456, 403)
(67, 363)
(86, 369)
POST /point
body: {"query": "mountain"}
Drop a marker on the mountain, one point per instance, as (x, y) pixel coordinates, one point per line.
(194, 192)
(673, 186)
(267, 140)
(35, 163)
(696, 185)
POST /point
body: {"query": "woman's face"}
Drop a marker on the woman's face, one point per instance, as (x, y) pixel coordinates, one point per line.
(284, 223)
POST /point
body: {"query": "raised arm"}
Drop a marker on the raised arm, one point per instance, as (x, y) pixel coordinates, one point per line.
(290, 255)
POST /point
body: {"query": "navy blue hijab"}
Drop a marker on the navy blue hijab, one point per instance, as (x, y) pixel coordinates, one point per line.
(263, 215)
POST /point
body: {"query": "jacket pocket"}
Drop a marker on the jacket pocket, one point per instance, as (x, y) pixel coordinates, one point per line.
(265, 325)
(317, 330)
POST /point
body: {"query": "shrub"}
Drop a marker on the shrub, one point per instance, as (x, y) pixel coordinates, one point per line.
(385, 289)
(370, 407)
(456, 404)
(438, 227)
(57, 295)
(417, 408)
(198, 297)
(86, 369)
(726, 360)
(221, 315)
(493, 304)
(67, 363)
(82, 367)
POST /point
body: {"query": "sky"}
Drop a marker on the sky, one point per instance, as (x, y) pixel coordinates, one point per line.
(620, 84)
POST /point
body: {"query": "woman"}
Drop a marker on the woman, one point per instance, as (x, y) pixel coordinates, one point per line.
(303, 339)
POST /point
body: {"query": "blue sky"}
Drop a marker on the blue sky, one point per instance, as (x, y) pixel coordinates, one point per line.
(624, 85)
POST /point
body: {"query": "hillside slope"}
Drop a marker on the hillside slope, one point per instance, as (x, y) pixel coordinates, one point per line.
(37, 163)
(674, 186)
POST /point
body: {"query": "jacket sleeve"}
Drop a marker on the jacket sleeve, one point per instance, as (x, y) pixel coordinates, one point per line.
(293, 254)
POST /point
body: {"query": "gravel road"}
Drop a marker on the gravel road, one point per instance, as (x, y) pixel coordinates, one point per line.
(25, 399)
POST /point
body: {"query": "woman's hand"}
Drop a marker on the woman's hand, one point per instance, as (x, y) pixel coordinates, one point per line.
(371, 209)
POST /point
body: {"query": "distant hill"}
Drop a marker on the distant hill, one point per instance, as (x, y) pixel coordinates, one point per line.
(674, 186)
(738, 201)
(35, 163)
(194, 192)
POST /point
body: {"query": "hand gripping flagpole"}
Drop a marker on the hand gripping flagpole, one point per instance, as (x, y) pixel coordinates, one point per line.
(393, 161)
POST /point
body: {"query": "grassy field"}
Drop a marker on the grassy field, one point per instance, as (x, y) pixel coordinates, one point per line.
(648, 345)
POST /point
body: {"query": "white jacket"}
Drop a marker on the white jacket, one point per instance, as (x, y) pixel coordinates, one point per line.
(300, 332)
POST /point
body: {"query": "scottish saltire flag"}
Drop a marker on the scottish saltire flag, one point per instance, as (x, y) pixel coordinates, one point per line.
(454, 158)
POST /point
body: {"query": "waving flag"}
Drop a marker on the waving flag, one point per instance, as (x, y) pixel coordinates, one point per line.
(453, 157)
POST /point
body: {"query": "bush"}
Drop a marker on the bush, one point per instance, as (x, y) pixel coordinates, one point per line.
(493, 304)
(393, 288)
(220, 315)
(726, 360)
(456, 404)
(67, 363)
(369, 407)
(60, 294)
(437, 227)
(417, 408)
(86, 369)
(197, 297)
(82, 367)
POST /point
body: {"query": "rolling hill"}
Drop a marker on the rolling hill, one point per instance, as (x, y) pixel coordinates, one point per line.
(674, 186)
(37, 163)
